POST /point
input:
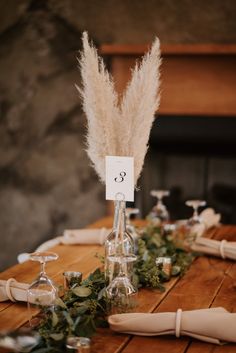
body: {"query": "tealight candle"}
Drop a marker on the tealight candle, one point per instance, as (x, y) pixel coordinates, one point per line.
(164, 262)
(79, 344)
(71, 278)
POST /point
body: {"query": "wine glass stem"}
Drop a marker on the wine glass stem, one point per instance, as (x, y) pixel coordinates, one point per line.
(122, 269)
(195, 212)
(42, 268)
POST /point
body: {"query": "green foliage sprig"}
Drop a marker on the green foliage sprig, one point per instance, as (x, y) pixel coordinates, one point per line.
(83, 308)
(152, 244)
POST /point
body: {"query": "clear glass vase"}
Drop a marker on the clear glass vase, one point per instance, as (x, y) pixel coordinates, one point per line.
(119, 244)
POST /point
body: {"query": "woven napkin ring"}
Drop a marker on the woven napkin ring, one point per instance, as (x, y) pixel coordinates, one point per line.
(222, 248)
(178, 322)
(8, 289)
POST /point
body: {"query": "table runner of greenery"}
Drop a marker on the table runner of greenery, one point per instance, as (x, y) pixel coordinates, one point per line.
(83, 308)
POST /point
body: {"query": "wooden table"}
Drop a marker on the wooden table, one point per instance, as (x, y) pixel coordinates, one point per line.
(210, 282)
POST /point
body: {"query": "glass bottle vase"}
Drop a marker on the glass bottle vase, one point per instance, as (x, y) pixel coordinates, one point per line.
(119, 244)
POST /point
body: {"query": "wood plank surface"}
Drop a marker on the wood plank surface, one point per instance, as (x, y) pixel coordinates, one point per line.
(209, 282)
(199, 288)
(28, 271)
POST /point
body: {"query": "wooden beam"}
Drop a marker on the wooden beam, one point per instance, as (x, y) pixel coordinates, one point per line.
(169, 49)
(195, 79)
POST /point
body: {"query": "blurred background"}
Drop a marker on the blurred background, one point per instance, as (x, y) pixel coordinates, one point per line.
(46, 181)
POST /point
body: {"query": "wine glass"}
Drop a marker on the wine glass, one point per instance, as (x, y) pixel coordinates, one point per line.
(42, 292)
(121, 293)
(195, 223)
(22, 340)
(159, 211)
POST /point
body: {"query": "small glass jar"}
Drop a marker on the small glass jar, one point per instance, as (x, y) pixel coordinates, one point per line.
(72, 278)
(78, 344)
(164, 263)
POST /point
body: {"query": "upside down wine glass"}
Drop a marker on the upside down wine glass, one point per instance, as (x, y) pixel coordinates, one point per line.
(159, 211)
(195, 223)
(42, 293)
(121, 293)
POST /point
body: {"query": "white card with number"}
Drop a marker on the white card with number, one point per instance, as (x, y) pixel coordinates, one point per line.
(119, 178)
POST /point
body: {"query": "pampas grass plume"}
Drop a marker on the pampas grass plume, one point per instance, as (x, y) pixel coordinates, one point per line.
(119, 129)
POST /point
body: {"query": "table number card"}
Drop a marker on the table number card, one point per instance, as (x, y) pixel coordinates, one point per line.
(119, 177)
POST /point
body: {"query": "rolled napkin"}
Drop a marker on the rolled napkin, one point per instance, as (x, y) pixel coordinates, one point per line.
(223, 248)
(210, 218)
(70, 237)
(13, 290)
(77, 236)
(215, 325)
(85, 236)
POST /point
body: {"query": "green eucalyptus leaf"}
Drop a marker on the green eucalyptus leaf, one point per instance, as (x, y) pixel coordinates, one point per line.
(55, 319)
(57, 336)
(82, 309)
(86, 328)
(77, 321)
(82, 292)
(68, 318)
(101, 293)
(42, 350)
(60, 303)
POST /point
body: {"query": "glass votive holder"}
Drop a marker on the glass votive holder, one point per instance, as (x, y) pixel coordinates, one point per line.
(78, 344)
(164, 263)
(72, 278)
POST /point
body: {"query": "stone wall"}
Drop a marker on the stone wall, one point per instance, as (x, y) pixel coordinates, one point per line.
(46, 182)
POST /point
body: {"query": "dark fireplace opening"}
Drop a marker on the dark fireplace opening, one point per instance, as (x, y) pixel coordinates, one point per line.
(193, 157)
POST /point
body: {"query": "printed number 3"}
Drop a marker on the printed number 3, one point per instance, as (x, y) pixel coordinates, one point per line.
(120, 178)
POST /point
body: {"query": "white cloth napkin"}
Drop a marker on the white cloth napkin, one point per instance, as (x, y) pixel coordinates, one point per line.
(77, 236)
(215, 325)
(16, 291)
(85, 236)
(210, 218)
(223, 248)
(13, 290)
(70, 237)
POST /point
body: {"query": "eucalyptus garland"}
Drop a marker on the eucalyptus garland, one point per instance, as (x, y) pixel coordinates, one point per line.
(83, 308)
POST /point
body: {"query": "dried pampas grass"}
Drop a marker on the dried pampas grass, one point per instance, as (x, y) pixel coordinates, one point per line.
(119, 129)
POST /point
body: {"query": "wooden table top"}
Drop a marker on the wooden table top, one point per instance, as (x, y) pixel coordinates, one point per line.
(210, 282)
